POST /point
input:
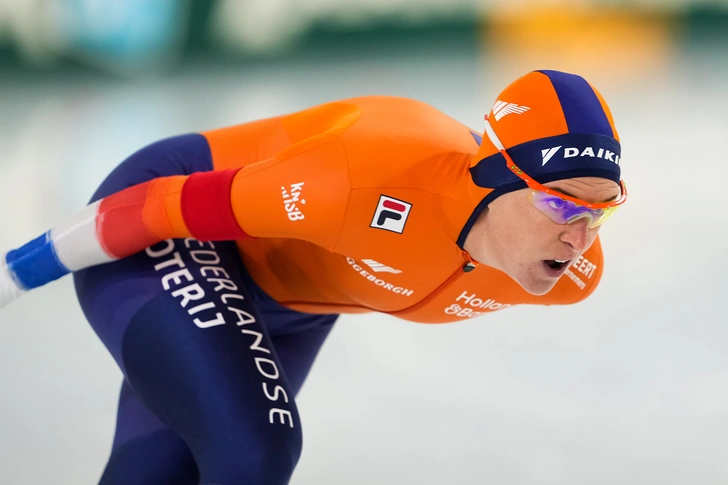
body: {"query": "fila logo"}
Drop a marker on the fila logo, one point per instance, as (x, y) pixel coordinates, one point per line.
(571, 152)
(379, 267)
(391, 214)
(501, 108)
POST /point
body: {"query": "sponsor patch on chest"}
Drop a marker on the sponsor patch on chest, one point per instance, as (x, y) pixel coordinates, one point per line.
(391, 214)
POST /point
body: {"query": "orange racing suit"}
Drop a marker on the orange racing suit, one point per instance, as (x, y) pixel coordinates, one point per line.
(314, 186)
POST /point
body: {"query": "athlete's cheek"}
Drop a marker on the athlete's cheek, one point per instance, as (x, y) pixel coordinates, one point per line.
(592, 235)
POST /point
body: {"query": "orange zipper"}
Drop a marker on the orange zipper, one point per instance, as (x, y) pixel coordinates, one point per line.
(469, 266)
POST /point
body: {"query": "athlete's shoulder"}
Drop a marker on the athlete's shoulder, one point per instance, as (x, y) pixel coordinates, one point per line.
(409, 117)
(382, 102)
(580, 279)
(337, 116)
(397, 137)
(363, 116)
(397, 118)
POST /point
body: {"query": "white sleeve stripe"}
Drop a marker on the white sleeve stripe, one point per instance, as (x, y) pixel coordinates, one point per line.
(76, 242)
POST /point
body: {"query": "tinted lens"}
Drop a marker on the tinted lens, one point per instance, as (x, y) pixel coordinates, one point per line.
(606, 214)
(566, 212)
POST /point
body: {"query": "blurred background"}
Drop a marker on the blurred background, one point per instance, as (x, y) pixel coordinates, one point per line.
(630, 386)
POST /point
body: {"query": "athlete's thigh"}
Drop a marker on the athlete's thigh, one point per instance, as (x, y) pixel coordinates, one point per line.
(198, 355)
(190, 342)
(145, 450)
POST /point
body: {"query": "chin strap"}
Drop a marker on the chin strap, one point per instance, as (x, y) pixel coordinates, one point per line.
(492, 136)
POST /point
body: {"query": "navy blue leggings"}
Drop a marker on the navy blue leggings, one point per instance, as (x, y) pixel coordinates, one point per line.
(211, 364)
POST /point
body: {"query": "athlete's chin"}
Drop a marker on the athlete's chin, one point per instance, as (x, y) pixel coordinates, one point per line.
(536, 286)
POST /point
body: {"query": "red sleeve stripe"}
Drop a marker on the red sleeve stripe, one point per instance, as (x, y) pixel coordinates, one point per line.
(206, 206)
(120, 222)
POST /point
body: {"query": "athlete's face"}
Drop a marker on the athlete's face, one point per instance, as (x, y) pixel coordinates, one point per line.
(515, 237)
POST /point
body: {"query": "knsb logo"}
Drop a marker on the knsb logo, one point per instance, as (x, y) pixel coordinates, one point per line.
(501, 109)
(571, 152)
(291, 198)
(391, 214)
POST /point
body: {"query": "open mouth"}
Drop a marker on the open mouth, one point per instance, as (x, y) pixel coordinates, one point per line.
(556, 264)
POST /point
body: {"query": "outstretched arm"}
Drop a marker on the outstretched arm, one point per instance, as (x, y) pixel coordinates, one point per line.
(263, 199)
(123, 224)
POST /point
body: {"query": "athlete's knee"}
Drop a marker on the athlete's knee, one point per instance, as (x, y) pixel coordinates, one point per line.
(267, 460)
(271, 465)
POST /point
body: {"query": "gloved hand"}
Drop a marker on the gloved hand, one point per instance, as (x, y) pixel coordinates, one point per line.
(9, 290)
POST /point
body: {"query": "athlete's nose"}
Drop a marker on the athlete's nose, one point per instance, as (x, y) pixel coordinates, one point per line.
(576, 235)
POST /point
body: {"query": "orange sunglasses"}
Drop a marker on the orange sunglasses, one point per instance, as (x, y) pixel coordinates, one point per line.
(560, 212)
